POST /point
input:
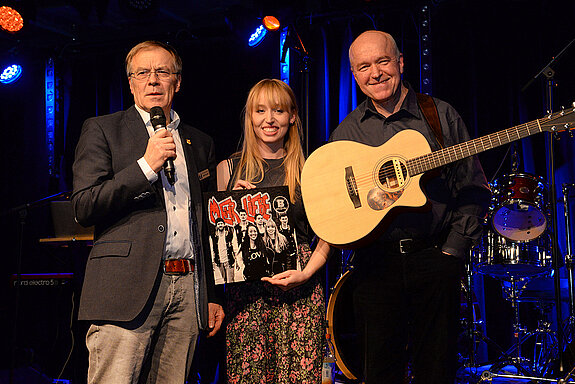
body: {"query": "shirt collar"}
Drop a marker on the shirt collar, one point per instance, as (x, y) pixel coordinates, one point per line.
(409, 106)
(174, 118)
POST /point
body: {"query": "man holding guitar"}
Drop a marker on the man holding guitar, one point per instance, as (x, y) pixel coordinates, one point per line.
(407, 280)
(362, 190)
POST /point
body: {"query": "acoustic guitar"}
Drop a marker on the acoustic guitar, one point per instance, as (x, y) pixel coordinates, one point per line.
(349, 188)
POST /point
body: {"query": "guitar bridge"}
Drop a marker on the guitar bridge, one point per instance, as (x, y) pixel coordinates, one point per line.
(352, 187)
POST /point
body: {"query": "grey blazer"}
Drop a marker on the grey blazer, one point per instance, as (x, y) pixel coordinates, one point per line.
(129, 214)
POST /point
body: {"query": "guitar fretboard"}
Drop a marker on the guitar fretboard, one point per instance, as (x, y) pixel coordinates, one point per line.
(451, 154)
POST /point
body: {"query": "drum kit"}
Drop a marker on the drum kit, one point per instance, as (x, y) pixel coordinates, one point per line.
(516, 251)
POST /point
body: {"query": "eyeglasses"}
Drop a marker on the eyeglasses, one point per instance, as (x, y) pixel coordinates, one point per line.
(145, 74)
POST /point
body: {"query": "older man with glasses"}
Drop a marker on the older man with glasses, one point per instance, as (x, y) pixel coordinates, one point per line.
(148, 288)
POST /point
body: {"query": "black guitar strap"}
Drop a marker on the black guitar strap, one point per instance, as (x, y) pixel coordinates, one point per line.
(429, 110)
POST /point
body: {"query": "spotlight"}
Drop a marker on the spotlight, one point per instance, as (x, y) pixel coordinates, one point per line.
(269, 23)
(257, 37)
(10, 74)
(10, 19)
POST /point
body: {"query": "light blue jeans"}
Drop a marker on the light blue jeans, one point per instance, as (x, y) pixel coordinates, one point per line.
(158, 349)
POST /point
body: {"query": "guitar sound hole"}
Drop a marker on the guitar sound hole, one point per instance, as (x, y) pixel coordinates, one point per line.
(392, 174)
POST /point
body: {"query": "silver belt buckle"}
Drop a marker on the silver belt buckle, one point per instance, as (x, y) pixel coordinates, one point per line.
(401, 245)
(164, 268)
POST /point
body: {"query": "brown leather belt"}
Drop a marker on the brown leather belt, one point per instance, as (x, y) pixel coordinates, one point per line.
(178, 266)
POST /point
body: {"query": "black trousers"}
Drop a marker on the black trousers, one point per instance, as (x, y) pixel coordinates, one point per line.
(407, 308)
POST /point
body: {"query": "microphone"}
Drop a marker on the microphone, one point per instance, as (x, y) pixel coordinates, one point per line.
(158, 120)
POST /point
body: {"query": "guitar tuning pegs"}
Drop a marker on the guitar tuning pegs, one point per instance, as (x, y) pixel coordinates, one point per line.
(555, 132)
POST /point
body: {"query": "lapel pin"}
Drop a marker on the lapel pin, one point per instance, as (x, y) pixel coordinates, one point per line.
(204, 174)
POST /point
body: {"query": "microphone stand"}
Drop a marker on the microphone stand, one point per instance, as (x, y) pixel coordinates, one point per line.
(549, 74)
(550, 141)
(22, 211)
(570, 328)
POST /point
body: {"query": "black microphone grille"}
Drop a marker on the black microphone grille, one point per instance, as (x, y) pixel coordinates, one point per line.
(157, 116)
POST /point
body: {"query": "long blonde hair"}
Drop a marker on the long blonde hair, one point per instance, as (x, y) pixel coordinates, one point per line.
(251, 165)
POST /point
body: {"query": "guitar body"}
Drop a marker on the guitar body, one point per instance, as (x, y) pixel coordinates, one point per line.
(348, 188)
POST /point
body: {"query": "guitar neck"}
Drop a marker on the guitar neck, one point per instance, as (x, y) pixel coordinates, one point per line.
(451, 154)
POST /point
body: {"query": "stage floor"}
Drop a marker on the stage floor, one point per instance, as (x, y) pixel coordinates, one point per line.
(482, 374)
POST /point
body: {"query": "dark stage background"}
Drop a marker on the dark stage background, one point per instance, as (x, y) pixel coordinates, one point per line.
(482, 54)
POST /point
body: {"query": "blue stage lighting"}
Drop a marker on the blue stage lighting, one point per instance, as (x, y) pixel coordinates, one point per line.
(10, 74)
(258, 36)
(284, 57)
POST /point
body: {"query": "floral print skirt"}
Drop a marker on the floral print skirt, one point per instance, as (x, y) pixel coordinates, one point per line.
(274, 336)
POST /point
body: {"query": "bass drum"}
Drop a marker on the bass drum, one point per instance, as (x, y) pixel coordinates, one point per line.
(341, 326)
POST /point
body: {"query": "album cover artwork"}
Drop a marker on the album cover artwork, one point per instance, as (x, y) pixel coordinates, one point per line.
(251, 234)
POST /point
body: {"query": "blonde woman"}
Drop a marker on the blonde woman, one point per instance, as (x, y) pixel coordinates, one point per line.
(275, 330)
(278, 245)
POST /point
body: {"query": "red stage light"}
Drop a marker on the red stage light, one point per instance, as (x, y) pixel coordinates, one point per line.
(271, 23)
(10, 19)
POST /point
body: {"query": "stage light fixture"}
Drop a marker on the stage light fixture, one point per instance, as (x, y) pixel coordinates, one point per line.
(10, 19)
(269, 23)
(257, 37)
(10, 74)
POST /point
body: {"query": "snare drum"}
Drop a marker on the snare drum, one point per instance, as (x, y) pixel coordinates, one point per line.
(498, 257)
(520, 207)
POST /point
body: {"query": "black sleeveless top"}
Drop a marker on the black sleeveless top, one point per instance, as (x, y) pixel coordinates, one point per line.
(274, 175)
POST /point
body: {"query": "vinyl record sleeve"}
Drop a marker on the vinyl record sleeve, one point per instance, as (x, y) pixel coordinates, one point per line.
(251, 234)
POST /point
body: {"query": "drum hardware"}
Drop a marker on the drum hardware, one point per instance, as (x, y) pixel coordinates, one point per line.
(347, 256)
(471, 322)
(545, 350)
(513, 356)
(471, 368)
(501, 258)
(488, 376)
(544, 339)
(570, 323)
(547, 74)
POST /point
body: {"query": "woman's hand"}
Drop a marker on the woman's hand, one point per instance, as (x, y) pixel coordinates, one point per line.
(242, 184)
(288, 279)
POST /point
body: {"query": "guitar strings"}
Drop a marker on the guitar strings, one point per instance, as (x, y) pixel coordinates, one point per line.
(435, 159)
